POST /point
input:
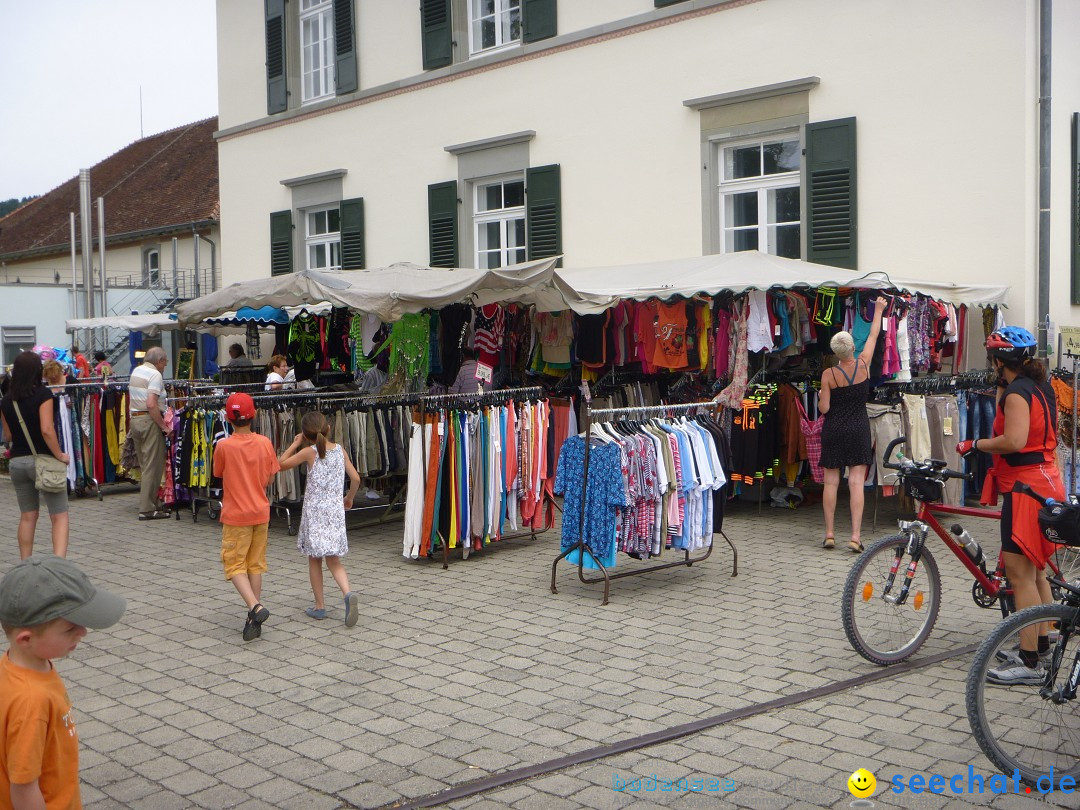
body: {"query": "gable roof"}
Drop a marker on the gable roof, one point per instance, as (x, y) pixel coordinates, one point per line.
(157, 184)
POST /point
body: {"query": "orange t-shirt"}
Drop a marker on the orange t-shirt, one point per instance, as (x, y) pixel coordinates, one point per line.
(40, 742)
(245, 462)
(670, 328)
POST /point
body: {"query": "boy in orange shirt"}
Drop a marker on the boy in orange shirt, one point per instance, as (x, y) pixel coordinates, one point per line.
(46, 604)
(246, 464)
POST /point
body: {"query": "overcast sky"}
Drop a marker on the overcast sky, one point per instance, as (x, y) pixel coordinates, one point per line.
(70, 72)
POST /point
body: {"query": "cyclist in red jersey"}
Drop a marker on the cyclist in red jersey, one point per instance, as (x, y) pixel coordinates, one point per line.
(1025, 435)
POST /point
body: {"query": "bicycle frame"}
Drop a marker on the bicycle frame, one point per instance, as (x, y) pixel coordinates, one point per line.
(993, 582)
(989, 581)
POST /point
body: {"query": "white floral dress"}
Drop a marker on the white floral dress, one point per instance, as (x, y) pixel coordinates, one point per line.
(322, 523)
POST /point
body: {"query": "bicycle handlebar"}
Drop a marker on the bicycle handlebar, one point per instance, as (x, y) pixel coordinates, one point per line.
(931, 467)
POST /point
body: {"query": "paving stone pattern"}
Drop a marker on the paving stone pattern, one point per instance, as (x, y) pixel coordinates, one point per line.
(450, 676)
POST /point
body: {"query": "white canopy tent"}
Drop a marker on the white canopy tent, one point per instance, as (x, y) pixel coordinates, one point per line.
(594, 289)
(387, 292)
(151, 325)
(392, 291)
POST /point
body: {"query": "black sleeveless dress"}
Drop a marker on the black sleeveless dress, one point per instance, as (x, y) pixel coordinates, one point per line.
(845, 433)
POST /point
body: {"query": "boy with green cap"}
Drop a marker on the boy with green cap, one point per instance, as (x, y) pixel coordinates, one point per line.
(46, 606)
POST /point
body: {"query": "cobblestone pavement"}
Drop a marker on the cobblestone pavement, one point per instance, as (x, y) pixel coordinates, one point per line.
(454, 675)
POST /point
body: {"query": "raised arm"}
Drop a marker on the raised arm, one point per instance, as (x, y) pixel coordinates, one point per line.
(295, 454)
(867, 354)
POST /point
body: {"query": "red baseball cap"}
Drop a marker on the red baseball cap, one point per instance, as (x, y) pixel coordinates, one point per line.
(239, 406)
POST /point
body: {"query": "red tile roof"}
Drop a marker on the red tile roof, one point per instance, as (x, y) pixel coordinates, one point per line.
(163, 182)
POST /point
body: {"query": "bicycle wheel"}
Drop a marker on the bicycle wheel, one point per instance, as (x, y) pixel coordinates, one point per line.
(879, 630)
(1019, 727)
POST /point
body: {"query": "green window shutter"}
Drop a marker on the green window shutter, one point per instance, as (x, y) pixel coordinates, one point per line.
(443, 224)
(435, 28)
(1074, 231)
(281, 243)
(352, 234)
(344, 47)
(539, 20)
(831, 208)
(543, 212)
(277, 94)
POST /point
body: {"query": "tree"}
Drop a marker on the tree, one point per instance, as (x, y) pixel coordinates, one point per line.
(7, 206)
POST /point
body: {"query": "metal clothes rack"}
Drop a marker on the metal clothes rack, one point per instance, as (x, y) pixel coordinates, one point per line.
(111, 382)
(583, 548)
(435, 402)
(312, 398)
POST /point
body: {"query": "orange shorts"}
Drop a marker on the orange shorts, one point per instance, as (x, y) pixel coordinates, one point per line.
(243, 549)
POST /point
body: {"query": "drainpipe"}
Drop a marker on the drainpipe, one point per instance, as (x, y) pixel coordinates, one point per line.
(1045, 17)
(74, 290)
(175, 277)
(87, 243)
(195, 245)
(213, 263)
(101, 253)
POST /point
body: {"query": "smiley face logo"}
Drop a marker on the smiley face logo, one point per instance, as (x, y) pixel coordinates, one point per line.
(862, 784)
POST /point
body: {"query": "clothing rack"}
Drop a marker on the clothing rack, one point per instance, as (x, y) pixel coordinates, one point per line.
(436, 402)
(583, 548)
(311, 398)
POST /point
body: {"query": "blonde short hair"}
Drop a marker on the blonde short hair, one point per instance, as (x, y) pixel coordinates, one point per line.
(843, 345)
(52, 370)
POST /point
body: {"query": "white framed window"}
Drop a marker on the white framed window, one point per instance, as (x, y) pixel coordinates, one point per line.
(493, 24)
(152, 266)
(323, 238)
(499, 222)
(316, 49)
(17, 339)
(759, 195)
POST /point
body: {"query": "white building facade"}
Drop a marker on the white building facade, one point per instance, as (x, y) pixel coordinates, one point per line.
(869, 134)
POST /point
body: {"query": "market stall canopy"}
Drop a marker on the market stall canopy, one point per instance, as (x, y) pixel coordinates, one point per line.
(594, 289)
(148, 324)
(387, 292)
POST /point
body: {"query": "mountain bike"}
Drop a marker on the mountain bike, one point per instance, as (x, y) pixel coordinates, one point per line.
(892, 594)
(1034, 729)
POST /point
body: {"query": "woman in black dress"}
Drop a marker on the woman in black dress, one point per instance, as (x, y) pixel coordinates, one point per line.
(845, 434)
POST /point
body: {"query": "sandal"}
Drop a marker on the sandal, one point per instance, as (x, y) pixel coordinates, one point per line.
(157, 514)
(856, 546)
(828, 542)
(259, 614)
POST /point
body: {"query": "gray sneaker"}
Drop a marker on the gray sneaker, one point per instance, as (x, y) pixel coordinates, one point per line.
(1017, 675)
(1012, 657)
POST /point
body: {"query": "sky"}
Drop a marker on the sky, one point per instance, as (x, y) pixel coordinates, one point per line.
(70, 73)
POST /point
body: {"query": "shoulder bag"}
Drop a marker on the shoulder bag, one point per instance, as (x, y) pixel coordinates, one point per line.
(50, 473)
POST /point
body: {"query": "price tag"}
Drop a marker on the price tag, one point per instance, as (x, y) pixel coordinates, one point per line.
(441, 427)
(483, 372)
(1070, 340)
(585, 392)
(946, 426)
(776, 330)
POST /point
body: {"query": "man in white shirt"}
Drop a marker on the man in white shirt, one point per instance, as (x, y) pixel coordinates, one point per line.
(146, 395)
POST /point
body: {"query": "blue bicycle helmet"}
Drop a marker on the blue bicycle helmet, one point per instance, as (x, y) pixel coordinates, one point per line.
(1011, 343)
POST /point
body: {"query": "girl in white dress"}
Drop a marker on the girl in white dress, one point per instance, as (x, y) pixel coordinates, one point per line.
(322, 524)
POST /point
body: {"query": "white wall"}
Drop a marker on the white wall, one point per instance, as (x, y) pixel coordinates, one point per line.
(1065, 102)
(945, 112)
